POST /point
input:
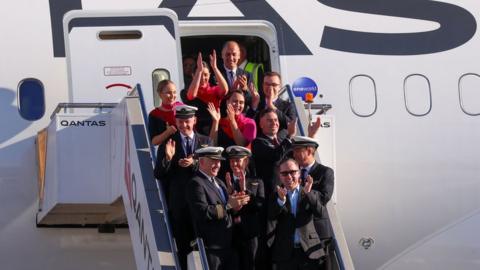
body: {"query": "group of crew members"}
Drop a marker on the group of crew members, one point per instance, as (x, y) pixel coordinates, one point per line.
(234, 172)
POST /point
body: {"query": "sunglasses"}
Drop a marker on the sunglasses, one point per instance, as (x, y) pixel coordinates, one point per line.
(286, 173)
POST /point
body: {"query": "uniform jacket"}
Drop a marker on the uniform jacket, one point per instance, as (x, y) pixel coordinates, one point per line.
(266, 154)
(282, 225)
(173, 177)
(323, 182)
(250, 213)
(212, 221)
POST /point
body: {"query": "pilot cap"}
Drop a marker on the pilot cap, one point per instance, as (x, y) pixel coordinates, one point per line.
(303, 141)
(236, 151)
(185, 111)
(210, 152)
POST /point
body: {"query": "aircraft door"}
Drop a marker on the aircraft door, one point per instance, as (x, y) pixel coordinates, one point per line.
(109, 52)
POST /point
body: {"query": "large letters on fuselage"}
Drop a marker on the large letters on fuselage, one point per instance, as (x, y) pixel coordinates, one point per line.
(457, 26)
(289, 42)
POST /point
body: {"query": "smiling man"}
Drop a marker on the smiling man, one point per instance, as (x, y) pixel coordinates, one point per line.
(293, 239)
(248, 223)
(236, 77)
(269, 147)
(211, 208)
(174, 169)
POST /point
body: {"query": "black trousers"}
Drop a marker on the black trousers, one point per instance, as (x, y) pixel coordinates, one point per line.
(298, 261)
(182, 229)
(246, 252)
(221, 259)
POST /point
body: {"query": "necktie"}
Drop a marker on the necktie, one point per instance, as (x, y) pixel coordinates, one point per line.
(230, 78)
(293, 201)
(303, 175)
(275, 141)
(236, 184)
(188, 146)
(220, 190)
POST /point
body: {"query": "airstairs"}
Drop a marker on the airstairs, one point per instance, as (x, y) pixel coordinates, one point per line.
(96, 168)
(102, 173)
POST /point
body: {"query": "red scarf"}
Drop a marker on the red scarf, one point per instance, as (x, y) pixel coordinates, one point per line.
(166, 112)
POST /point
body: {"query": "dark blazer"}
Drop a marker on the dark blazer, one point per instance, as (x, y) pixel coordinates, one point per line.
(212, 221)
(323, 182)
(238, 72)
(173, 177)
(266, 155)
(248, 96)
(282, 224)
(250, 213)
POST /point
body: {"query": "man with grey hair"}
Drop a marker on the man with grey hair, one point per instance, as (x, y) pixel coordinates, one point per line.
(211, 208)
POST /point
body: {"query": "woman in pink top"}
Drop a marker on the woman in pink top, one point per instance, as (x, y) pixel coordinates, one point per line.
(202, 93)
(235, 128)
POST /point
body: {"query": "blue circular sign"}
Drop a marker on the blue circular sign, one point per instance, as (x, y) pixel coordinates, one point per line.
(304, 85)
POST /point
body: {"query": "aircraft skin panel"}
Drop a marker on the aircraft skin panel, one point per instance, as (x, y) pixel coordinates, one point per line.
(434, 252)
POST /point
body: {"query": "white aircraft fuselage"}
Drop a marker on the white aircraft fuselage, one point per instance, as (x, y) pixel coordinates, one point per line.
(403, 81)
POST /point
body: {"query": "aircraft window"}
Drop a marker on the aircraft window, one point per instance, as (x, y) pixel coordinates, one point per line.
(111, 35)
(159, 75)
(363, 95)
(418, 94)
(469, 93)
(31, 99)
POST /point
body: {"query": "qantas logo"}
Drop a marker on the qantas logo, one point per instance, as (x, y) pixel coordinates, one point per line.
(457, 25)
(84, 123)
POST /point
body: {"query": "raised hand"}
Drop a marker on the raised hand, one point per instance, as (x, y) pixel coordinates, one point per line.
(171, 129)
(228, 180)
(292, 128)
(242, 182)
(213, 59)
(282, 193)
(241, 83)
(199, 63)
(169, 149)
(308, 184)
(231, 113)
(269, 104)
(214, 112)
(313, 127)
(185, 162)
(255, 96)
(238, 200)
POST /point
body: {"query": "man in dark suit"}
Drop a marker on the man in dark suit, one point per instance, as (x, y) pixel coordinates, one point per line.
(304, 149)
(246, 229)
(272, 83)
(211, 208)
(174, 169)
(293, 239)
(236, 77)
(269, 147)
